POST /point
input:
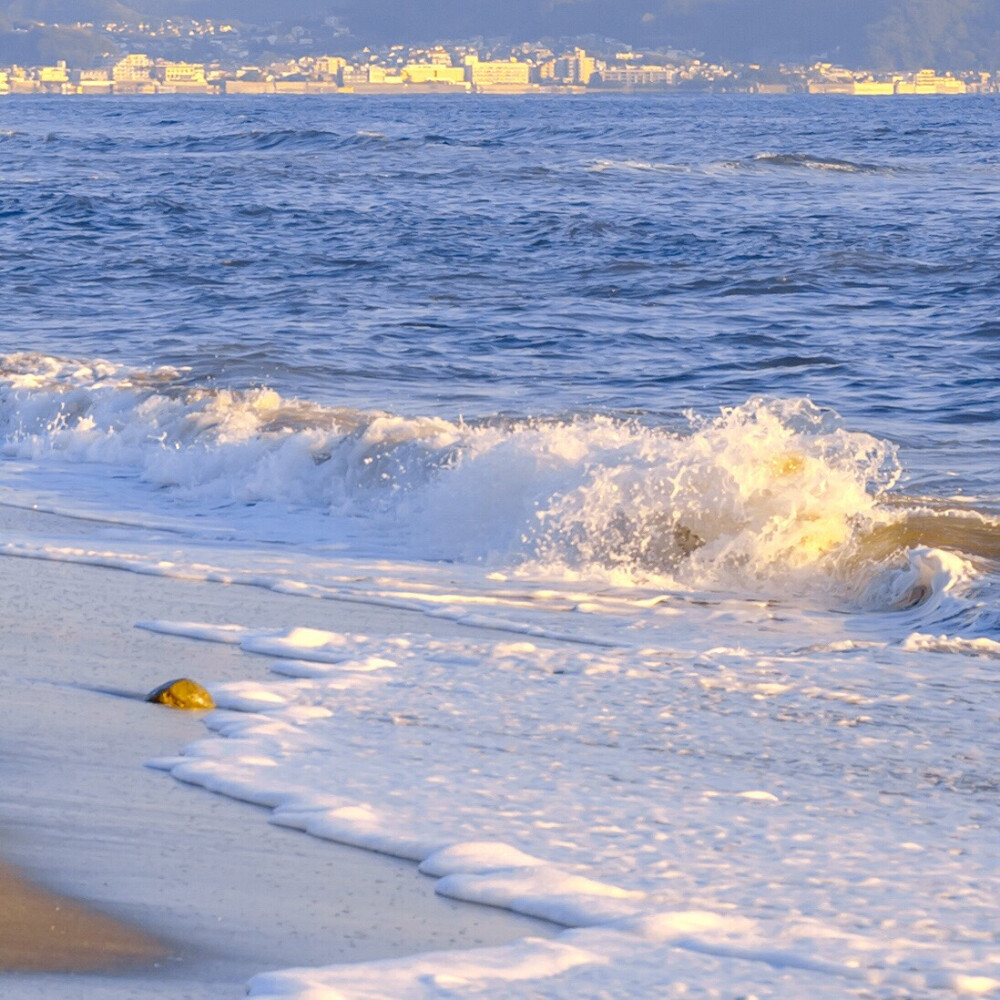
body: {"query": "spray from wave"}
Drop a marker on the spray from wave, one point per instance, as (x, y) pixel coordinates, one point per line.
(772, 497)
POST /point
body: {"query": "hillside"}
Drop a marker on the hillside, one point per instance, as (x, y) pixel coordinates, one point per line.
(884, 34)
(64, 12)
(42, 46)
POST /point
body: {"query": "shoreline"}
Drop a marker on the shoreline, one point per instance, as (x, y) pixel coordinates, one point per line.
(224, 893)
(376, 90)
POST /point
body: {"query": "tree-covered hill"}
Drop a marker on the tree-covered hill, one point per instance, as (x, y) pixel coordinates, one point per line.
(44, 46)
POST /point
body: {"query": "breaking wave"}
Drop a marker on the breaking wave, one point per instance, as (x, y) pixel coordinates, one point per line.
(771, 496)
(808, 162)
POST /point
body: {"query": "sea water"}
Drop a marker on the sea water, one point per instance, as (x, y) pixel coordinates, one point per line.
(687, 407)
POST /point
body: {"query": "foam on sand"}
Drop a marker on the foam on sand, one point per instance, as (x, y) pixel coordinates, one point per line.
(81, 816)
(709, 693)
(610, 793)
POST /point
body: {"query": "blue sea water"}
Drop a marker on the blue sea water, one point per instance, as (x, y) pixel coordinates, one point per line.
(483, 261)
(519, 254)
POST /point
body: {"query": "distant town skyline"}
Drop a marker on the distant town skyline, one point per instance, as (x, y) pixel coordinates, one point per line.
(882, 34)
(457, 68)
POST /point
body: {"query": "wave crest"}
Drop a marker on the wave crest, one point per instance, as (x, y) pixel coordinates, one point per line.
(810, 162)
(762, 490)
(768, 497)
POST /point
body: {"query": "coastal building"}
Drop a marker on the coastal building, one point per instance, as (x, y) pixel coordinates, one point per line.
(472, 67)
(329, 66)
(352, 76)
(57, 74)
(438, 55)
(54, 79)
(631, 76)
(411, 78)
(826, 78)
(545, 72)
(134, 68)
(92, 82)
(928, 82)
(182, 77)
(305, 87)
(18, 82)
(358, 76)
(577, 68)
(874, 88)
(433, 73)
(498, 73)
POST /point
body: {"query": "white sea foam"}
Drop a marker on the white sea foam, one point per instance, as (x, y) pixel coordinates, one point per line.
(718, 671)
(930, 578)
(600, 166)
(768, 500)
(762, 496)
(611, 791)
(920, 643)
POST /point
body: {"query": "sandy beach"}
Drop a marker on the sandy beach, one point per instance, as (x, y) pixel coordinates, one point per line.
(165, 874)
(40, 931)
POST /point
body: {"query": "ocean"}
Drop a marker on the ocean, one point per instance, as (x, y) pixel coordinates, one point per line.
(686, 406)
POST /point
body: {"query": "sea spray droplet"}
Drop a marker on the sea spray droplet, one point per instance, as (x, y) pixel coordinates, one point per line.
(181, 693)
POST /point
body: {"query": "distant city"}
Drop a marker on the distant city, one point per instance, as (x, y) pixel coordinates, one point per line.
(447, 68)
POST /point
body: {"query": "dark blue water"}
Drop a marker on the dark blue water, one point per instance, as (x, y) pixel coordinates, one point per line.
(526, 255)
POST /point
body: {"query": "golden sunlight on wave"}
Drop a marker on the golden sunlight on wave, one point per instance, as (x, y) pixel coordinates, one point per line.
(968, 532)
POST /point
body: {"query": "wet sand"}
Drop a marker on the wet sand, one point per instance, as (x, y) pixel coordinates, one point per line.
(40, 931)
(227, 893)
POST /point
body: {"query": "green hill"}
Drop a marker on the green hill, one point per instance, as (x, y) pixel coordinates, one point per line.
(44, 46)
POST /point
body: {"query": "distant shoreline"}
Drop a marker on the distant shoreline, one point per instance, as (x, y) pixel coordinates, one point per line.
(418, 91)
